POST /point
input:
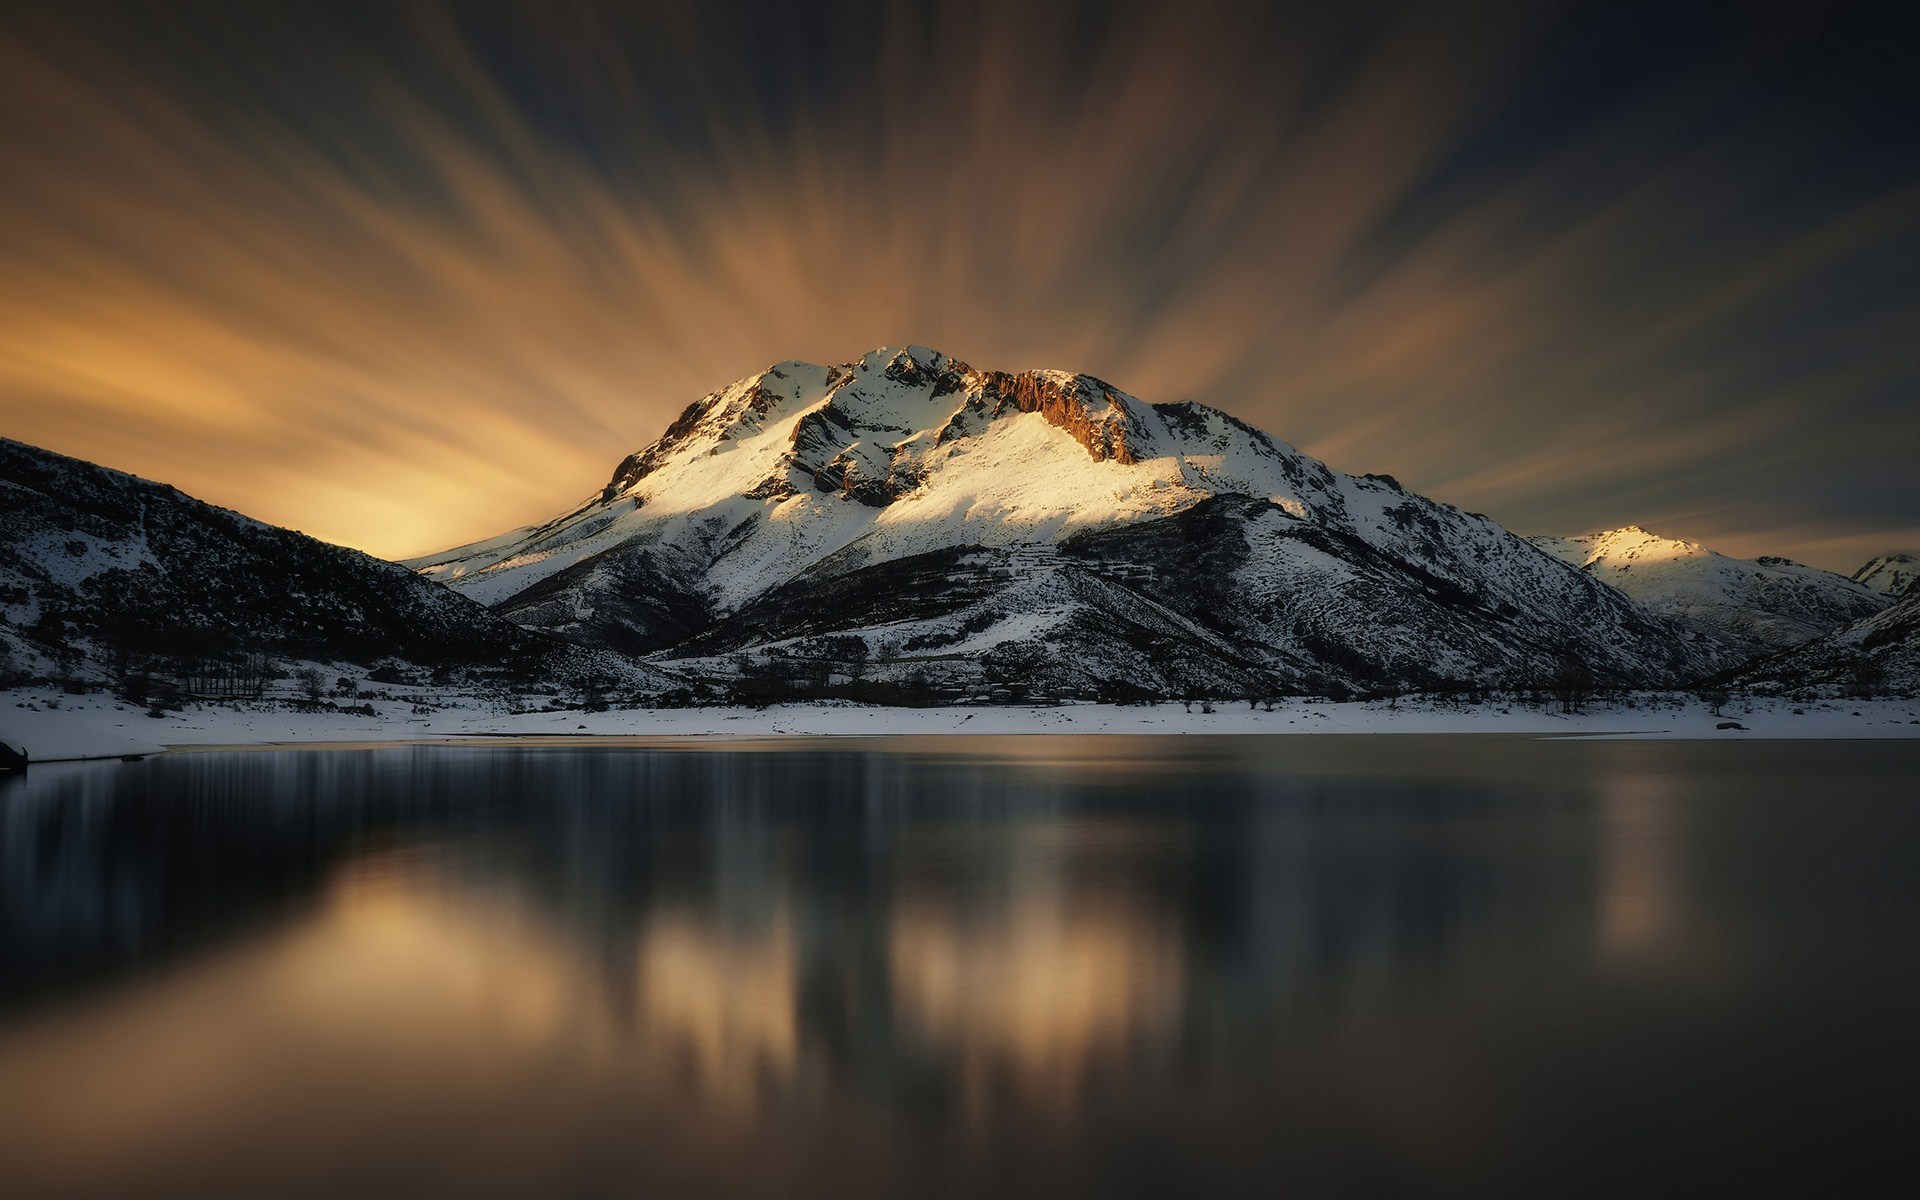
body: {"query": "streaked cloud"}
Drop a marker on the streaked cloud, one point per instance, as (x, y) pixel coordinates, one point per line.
(415, 276)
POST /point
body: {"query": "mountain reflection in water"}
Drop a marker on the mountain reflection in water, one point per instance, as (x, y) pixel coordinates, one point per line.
(1007, 966)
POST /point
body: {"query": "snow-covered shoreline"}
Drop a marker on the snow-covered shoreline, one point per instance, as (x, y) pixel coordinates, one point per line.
(56, 727)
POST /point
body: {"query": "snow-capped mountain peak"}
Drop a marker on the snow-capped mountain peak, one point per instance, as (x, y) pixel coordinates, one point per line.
(1889, 574)
(929, 451)
(943, 514)
(1752, 605)
(1619, 548)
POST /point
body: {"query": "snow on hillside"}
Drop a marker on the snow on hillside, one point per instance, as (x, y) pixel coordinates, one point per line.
(1889, 574)
(97, 727)
(103, 573)
(80, 731)
(816, 459)
(1752, 606)
(727, 535)
(1878, 655)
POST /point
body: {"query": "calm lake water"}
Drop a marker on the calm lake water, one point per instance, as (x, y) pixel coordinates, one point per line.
(1021, 966)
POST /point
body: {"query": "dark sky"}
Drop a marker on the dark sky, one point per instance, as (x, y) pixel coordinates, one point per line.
(404, 276)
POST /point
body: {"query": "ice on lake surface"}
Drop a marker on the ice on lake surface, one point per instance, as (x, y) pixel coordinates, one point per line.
(986, 966)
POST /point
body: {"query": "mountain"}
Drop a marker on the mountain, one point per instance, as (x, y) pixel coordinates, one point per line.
(1748, 606)
(1889, 574)
(96, 565)
(907, 516)
(1875, 656)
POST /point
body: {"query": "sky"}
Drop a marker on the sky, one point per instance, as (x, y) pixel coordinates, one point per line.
(405, 276)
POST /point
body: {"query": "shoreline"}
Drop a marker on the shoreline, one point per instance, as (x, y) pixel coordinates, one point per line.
(60, 728)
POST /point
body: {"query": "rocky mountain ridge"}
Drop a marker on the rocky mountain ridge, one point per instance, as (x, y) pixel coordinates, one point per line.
(977, 526)
(916, 527)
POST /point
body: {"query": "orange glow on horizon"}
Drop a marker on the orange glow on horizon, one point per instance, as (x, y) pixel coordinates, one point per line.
(414, 345)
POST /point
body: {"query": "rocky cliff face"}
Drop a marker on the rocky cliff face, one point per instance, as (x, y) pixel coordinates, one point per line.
(1089, 411)
(909, 515)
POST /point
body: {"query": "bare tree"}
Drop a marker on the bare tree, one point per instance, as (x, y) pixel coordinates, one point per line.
(1868, 676)
(312, 682)
(1571, 684)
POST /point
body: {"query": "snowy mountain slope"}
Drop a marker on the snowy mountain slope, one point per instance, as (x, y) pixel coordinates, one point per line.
(981, 620)
(96, 564)
(946, 515)
(1878, 655)
(1750, 606)
(1889, 574)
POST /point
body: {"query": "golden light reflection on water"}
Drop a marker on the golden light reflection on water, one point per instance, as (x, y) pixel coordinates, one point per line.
(1039, 1000)
(670, 974)
(725, 1008)
(1640, 901)
(404, 977)
(388, 984)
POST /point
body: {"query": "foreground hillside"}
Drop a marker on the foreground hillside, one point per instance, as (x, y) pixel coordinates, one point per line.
(99, 568)
(1879, 655)
(908, 518)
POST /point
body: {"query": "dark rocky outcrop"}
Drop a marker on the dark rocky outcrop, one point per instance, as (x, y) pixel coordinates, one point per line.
(1082, 405)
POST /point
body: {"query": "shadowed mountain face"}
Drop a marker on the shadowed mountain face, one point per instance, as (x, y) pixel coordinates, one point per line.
(93, 561)
(918, 518)
(1879, 655)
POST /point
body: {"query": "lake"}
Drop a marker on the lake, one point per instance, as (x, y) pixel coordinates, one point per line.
(1042, 966)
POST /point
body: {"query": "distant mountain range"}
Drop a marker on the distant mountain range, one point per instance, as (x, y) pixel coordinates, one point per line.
(908, 525)
(1748, 606)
